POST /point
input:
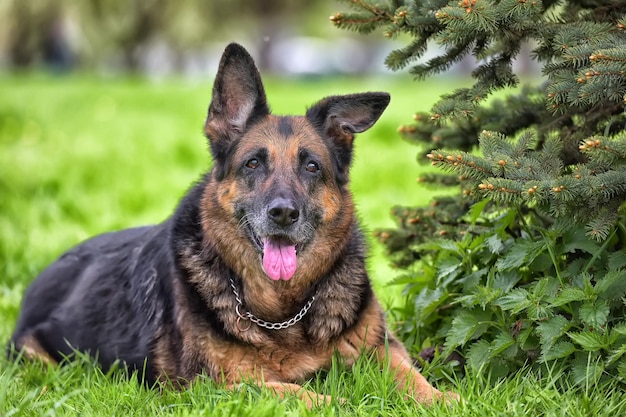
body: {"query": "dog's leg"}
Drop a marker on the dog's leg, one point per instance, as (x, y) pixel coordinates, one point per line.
(407, 376)
(311, 398)
(283, 389)
(32, 350)
(368, 337)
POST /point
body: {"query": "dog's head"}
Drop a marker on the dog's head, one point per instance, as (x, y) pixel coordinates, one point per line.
(282, 180)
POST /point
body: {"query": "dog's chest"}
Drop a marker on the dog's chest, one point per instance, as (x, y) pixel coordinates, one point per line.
(272, 359)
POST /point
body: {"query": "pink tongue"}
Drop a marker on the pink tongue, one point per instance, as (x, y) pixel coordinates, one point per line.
(279, 259)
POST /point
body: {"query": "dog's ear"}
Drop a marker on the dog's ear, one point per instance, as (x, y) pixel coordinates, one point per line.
(338, 118)
(238, 100)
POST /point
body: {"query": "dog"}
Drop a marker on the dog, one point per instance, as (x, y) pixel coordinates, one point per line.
(259, 275)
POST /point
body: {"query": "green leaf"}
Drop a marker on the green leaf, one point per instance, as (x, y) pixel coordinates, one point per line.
(620, 328)
(480, 295)
(513, 259)
(558, 351)
(442, 245)
(539, 310)
(505, 221)
(551, 330)
(427, 301)
(520, 254)
(526, 334)
(589, 341)
(472, 280)
(568, 295)
(495, 244)
(502, 342)
(616, 354)
(463, 326)
(505, 281)
(576, 239)
(612, 286)
(594, 314)
(546, 287)
(617, 260)
(621, 370)
(478, 354)
(449, 269)
(476, 210)
(587, 370)
(409, 279)
(516, 301)
(466, 325)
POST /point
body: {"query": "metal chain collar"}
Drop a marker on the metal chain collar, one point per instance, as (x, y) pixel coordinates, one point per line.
(268, 324)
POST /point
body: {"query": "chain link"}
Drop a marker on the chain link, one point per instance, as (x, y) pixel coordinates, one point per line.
(268, 324)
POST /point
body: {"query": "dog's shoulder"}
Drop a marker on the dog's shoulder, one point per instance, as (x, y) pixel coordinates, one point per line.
(185, 221)
(343, 295)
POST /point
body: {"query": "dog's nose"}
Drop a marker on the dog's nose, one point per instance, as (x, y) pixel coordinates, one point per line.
(283, 212)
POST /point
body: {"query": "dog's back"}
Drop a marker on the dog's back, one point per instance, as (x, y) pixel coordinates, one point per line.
(104, 297)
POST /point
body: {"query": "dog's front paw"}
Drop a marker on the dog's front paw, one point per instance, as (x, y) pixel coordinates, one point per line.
(450, 397)
(427, 397)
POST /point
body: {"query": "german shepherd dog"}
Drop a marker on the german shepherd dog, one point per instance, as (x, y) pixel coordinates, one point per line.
(259, 274)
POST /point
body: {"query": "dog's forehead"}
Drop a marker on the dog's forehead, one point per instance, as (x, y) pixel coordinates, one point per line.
(284, 135)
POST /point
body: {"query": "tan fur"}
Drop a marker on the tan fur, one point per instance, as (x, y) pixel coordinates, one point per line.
(33, 350)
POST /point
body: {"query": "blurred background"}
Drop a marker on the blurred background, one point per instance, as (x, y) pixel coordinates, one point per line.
(163, 37)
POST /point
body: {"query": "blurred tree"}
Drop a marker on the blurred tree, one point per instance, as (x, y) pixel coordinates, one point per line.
(32, 33)
(124, 27)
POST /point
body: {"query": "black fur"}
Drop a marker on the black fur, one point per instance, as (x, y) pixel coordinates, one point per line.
(285, 126)
(333, 117)
(106, 297)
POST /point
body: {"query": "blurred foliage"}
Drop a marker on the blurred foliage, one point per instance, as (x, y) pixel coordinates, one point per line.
(62, 32)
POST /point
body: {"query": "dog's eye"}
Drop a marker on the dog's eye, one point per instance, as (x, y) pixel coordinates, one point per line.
(312, 167)
(253, 163)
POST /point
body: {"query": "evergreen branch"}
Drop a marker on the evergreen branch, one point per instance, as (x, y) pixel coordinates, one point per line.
(581, 33)
(358, 22)
(599, 144)
(600, 227)
(502, 190)
(601, 111)
(608, 51)
(399, 58)
(464, 163)
(375, 10)
(443, 62)
(364, 22)
(438, 179)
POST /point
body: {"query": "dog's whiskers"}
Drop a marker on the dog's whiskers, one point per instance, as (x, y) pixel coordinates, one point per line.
(243, 222)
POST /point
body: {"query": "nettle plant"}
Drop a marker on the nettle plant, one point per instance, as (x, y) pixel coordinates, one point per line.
(507, 281)
(526, 264)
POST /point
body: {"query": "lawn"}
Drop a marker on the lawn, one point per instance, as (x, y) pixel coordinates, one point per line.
(81, 155)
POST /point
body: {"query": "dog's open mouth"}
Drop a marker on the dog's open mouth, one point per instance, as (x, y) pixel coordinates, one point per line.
(279, 258)
(279, 254)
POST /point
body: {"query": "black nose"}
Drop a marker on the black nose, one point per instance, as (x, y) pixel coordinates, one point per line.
(283, 212)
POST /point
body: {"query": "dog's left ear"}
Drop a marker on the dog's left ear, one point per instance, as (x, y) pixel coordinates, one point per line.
(238, 100)
(338, 118)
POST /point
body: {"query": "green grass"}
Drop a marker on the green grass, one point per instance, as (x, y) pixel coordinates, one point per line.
(81, 389)
(81, 156)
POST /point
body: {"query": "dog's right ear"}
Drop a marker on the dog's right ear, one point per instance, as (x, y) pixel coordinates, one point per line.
(238, 99)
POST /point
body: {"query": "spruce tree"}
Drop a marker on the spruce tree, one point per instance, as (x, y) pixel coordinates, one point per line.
(526, 264)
